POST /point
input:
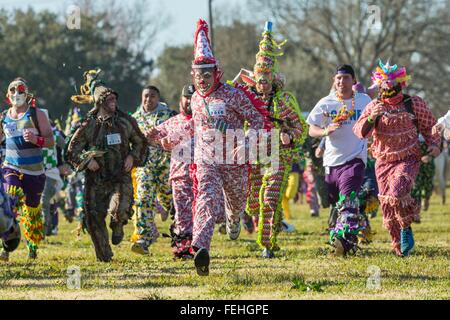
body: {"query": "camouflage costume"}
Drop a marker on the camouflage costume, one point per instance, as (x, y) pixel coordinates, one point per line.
(423, 188)
(152, 180)
(108, 190)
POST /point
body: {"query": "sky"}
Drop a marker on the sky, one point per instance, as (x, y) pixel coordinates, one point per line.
(183, 15)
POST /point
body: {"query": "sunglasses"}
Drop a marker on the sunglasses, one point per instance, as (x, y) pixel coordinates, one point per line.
(203, 75)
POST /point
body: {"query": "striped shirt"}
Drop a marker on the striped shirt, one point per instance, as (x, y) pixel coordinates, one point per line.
(22, 156)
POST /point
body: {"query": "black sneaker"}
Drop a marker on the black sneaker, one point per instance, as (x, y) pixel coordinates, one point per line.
(201, 261)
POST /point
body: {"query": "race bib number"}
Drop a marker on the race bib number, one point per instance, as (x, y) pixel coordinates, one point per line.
(10, 128)
(113, 139)
(217, 109)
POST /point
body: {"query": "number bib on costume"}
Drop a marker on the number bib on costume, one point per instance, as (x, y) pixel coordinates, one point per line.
(10, 128)
(217, 109)
(113, 139)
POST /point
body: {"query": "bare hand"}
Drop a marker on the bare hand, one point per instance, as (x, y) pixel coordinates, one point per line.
(437, 128)
(128, 163)
(151, 134)
(285, 139)
(425, 159)
(166, 144)
(29, 136)
(93, 165)
(319, 152)
(333, 127)
(376, 111)
(64, 170)
(433, 151)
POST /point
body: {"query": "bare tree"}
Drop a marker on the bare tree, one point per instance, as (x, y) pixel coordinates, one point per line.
(414, 33)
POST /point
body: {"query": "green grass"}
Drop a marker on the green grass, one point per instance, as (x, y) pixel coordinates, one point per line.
(304, 269)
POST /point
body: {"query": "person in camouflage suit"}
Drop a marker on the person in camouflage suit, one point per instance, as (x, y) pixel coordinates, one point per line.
(152, 180)
(107, 145)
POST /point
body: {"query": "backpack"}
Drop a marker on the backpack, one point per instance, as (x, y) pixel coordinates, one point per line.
(407, 101)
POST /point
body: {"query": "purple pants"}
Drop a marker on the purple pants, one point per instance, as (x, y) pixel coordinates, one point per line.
(32, 186)
(344, 179)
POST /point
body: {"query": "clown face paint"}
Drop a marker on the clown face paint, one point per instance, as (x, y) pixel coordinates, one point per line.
(17, 93)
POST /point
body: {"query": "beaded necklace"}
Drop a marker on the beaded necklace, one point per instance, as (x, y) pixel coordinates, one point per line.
(343, 114)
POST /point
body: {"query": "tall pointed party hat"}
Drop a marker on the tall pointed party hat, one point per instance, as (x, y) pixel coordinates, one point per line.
(266, 58)
(203, 55)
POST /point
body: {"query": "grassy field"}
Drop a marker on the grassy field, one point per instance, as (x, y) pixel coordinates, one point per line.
(304, 268)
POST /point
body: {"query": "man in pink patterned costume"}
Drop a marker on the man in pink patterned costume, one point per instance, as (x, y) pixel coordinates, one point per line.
(176, 134)
(218, 109)
(394, 121)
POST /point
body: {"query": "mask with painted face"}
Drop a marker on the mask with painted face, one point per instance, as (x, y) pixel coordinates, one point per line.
(17, 92)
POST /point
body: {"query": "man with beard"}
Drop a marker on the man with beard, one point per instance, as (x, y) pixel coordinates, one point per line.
(107, 145)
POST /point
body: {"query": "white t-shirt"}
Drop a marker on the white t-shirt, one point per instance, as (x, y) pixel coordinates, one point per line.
(342, 145)
(445, 120)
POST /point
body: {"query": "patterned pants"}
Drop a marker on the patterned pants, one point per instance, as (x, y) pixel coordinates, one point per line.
(220, 187)
(151, 185)
(311, 192)
(395, 182)
(267, 190)
(183, 199)
(25, 194)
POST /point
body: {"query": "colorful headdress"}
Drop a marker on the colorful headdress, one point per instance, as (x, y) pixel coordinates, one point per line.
(266, 61)
(266, 58)
(203, 55)
(93, 91)
(87, 88)
(392, 75)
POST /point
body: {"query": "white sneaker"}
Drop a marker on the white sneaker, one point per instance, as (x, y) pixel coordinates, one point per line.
(288, 228)
(233, 229)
